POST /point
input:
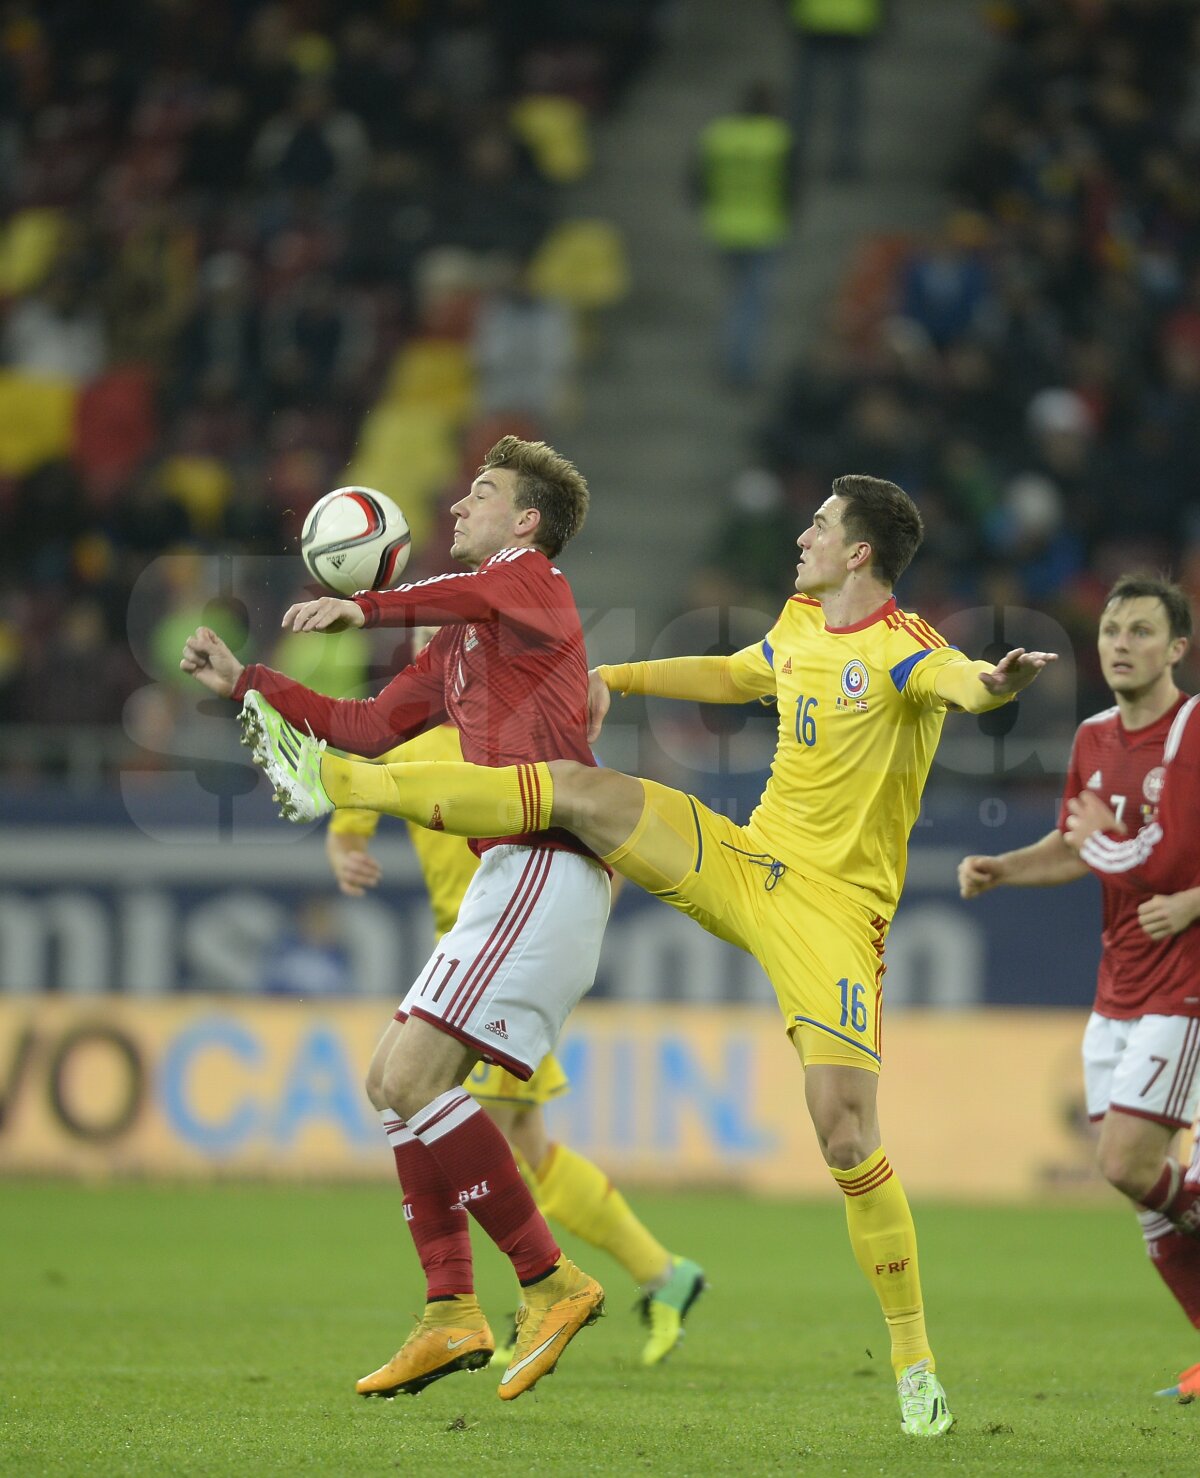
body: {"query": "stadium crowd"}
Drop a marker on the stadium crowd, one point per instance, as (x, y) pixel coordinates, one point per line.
(1030, 371)
(250, 249)
(279, 245)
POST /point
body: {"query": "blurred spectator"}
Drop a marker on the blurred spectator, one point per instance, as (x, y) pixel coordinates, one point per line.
(1027, 531)
(218, 355)
(266, 72)
(391, 221)
(946, 288)
(317, 344)
(494, 201)
(801, 434)
(751, 558)
(149, 289)
(882, 432)
(1062, 441)
(149, 517)
(337, 667)
(57, 332)
(222, 223)
(116, 427)
(372, 73)
(525, 353)
(214, 159)
(311, 144)
(464, 58)
(76, 674)
(1033, 374)
(743, 181)
(309, 958)
(187, 605)
(833, 40)
(39, 522)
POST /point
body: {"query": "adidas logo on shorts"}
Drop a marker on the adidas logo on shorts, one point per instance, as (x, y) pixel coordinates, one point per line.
(498, 1028)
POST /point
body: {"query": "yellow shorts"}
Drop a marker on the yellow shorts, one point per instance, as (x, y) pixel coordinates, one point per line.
(491, 1084)
(822, 951)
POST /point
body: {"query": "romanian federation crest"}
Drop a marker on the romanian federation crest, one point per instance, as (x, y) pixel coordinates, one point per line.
(855, 679)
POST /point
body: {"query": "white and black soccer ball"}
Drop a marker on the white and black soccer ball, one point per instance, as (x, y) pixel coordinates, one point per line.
(355, 539)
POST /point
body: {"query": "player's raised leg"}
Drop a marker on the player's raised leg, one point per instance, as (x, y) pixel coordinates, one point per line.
(842, 1102)
(601, 807)
(291, 760)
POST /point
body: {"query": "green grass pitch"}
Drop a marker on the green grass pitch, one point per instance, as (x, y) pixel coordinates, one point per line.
(150, 1330)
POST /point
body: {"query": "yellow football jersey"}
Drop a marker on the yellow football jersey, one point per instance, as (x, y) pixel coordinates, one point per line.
(447, 862)
(860, 714)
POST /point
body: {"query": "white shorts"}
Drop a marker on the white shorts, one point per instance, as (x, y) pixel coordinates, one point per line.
(522, 953)
(1148, 1066)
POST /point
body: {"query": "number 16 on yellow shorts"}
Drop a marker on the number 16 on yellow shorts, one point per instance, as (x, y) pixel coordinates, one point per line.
(823, 952)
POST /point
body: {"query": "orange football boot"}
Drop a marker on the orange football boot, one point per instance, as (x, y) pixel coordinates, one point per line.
(452, 1335)
(554, 1312)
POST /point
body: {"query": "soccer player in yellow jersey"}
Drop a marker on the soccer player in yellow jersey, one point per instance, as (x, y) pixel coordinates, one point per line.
(810, 883)
(568, 1188)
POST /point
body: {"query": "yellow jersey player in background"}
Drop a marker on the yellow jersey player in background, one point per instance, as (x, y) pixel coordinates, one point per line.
(809, 885)
(568, 1188)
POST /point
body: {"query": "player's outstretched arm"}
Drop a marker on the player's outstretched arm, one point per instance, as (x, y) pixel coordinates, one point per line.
(952, 680)
(211, 662)
(739, 678)
(325, 613)
(1044, 864)
(978, 874)
(1015, 670)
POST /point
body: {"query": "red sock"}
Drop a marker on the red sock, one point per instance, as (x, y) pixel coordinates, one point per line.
(1177, 1259)
(1176, 1198)
(475, 1157)
(434, 1214)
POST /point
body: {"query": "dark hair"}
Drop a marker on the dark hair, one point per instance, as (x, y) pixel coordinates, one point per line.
(883, 516)
(1156, 587)
(545, 481)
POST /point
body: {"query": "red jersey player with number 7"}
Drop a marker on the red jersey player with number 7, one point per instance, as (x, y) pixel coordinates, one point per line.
(508, 669)
(1141, 1048)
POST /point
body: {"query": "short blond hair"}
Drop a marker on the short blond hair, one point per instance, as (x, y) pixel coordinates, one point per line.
(545, 481)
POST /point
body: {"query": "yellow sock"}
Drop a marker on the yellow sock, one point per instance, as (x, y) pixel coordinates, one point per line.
(467, 800)
(579, 1196)
(885, 1245)
(462, 1309)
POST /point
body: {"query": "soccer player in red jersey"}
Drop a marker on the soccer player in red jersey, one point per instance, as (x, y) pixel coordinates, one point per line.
(1141, 1048)
(508, 669)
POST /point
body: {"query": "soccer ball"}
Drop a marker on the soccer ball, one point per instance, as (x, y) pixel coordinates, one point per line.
(355, 539)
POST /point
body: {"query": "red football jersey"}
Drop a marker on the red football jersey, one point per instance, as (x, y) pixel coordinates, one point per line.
(1139, 976)
(508, 669)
